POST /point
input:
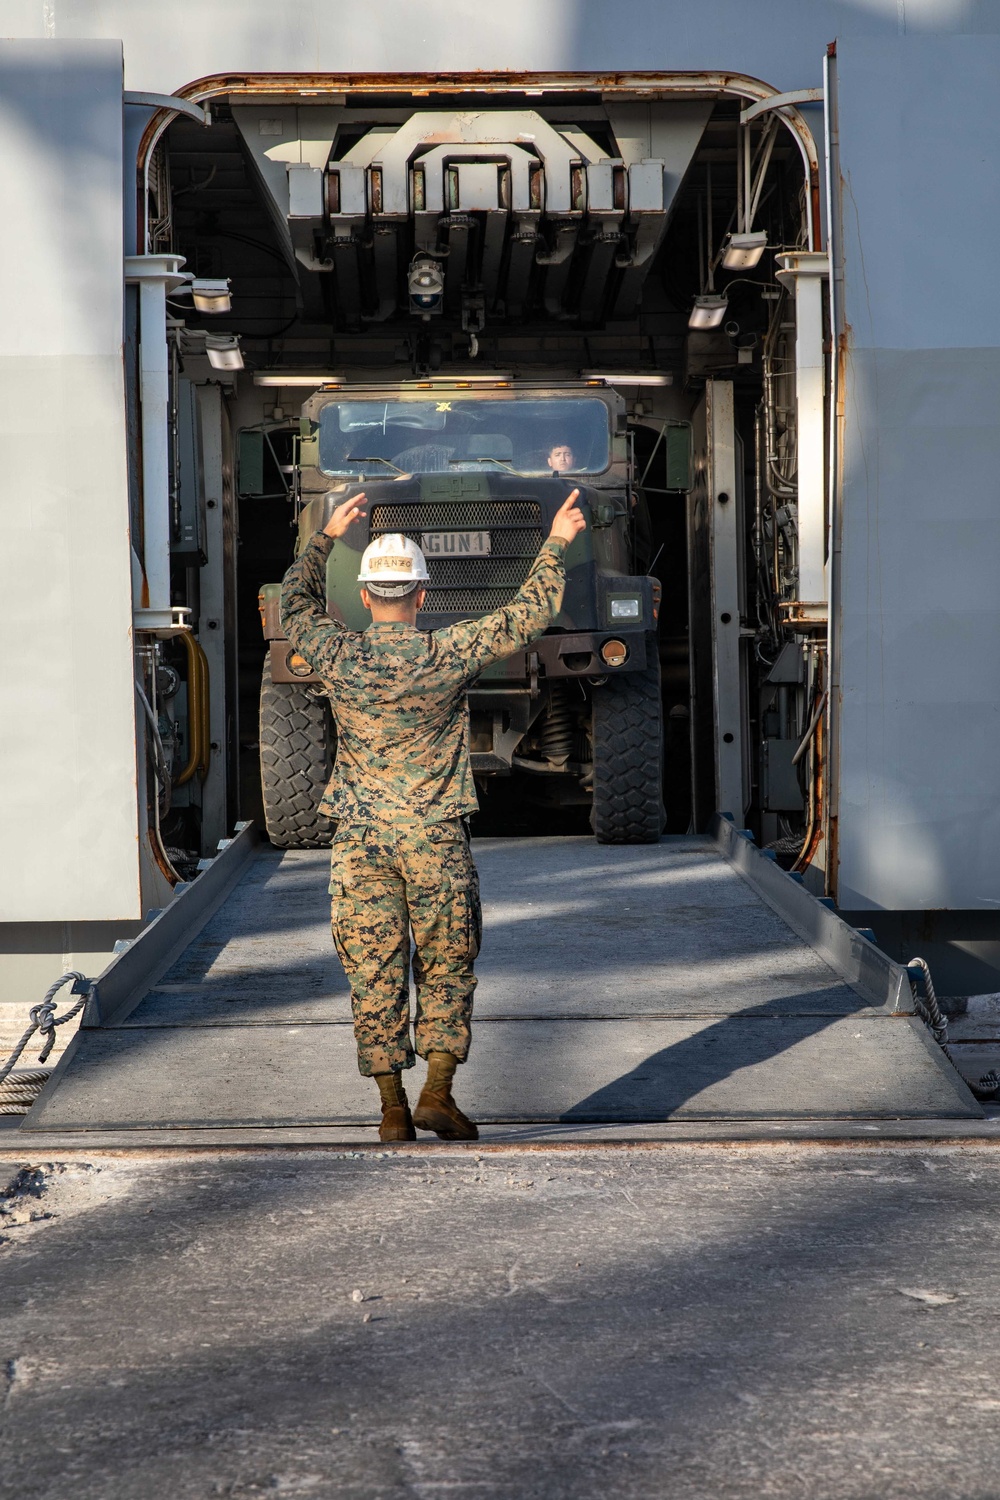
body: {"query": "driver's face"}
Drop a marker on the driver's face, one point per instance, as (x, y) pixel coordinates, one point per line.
(561, 457)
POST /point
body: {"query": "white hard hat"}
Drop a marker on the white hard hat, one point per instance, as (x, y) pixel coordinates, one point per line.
(392, 565)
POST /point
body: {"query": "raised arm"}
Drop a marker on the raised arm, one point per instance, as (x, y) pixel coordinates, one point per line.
(304, 618)
(533, 608)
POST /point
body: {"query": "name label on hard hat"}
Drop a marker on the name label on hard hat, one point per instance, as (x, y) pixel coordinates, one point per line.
(384, 564)
(455, 543)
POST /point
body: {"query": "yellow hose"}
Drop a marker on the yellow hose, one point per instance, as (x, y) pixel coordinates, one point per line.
(198, 711)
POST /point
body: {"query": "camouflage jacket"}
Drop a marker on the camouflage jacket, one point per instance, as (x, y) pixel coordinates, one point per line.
(399, 694)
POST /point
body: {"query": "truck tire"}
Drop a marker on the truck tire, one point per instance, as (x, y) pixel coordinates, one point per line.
(297, 740)
(627, 735)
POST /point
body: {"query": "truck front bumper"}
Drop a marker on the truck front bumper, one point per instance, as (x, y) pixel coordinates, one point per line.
(576, 655)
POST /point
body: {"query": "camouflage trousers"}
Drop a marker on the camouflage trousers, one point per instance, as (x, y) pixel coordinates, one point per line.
(386, 879)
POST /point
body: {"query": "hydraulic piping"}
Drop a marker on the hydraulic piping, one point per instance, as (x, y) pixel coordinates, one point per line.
(161, 776)
(804, 744)
(812, 743)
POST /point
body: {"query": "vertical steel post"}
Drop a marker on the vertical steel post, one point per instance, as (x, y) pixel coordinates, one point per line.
(212, 620)
(723, 512)
(805, 272)
(155, 275)
(838, 373)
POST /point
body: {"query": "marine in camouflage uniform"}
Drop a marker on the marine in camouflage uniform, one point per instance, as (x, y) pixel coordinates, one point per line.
(400, 791)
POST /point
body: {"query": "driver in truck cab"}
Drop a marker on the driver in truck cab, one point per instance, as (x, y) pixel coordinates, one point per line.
(401, 791)
(560, 458)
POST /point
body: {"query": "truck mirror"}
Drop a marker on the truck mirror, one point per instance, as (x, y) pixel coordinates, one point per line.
(679, 456)
(250, 463)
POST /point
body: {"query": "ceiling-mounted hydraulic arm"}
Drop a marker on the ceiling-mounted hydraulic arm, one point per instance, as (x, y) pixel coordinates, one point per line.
(524, 216)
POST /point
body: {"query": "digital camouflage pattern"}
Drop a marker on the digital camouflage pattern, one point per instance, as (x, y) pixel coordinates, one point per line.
(385, 880)
(398, 693)
(402, 784)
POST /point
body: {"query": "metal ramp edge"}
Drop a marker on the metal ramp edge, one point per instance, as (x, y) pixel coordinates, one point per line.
(133, 972)
(861, 967)
(873, 974)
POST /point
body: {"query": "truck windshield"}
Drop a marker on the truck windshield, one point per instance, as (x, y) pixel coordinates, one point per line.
(450, 433)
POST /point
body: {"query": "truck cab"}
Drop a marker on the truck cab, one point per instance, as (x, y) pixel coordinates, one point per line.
(474, 472)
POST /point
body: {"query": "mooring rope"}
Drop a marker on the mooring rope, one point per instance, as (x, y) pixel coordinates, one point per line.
(45, 1020)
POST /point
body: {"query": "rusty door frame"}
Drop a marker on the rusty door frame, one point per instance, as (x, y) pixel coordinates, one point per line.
(316, 87)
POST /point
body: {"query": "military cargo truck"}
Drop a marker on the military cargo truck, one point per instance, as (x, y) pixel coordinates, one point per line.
(474, 471)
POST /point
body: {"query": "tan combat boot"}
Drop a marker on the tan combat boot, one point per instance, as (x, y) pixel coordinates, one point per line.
(436, 1110)
(397, 1124)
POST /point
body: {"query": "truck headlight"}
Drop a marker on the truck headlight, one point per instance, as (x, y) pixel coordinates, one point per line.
(626, 608)
(297, 665)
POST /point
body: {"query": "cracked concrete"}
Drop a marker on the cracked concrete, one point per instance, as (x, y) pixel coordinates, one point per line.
(779, 1321)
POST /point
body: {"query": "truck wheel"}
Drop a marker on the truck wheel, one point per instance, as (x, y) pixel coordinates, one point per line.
(627, 737)
(297, 740)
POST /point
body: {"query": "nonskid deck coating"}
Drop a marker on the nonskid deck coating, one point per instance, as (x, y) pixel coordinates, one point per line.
(572, 929)
(618, 985)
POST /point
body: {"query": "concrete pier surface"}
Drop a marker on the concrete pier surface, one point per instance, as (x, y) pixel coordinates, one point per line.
(548, 1324)
(217, 1283)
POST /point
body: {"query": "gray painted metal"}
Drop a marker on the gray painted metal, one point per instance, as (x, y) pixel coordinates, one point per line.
(70, 846)
(129, 976)
(724, 523)
(215, 577)
(781, 41)
(634, 984)
(455, 156)
(779, 101)
(919, 672)
(199, 112)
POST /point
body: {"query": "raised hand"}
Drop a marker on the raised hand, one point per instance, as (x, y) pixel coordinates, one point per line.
(345, 515)
(568, 519)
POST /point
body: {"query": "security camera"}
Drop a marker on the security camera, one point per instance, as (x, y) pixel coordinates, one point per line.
(425, 285)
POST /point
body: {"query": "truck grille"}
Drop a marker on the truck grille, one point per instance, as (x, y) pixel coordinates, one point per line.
(466, 601)
(454, 515)
(470, 585)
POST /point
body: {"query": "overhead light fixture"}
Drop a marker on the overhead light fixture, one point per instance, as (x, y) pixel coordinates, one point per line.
(211, 296)
(627, 378)
(223, 350)
(743, 251)
(290, 378)
(708, 311)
